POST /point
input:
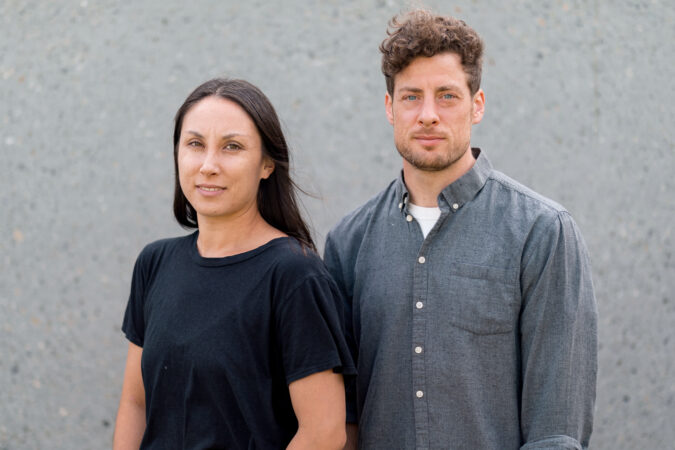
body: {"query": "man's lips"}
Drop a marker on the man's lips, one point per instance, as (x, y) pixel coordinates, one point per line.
(428, 139)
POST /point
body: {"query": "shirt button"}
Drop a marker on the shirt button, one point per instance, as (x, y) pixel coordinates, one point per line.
(419, 394)
(400, 205)
(408, 218)
(421, 259)
(418, 349)
(419, 305)
(455, 206)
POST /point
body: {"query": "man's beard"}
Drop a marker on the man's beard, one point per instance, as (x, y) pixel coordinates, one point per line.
(436, 164)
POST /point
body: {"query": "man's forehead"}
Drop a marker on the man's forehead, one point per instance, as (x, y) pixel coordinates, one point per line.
(441, 70)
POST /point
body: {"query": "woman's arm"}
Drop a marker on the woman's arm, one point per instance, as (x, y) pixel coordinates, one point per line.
(130, 423)
(319, 404)
(352, 436)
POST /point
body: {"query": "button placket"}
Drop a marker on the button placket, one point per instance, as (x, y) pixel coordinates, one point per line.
(418, 308)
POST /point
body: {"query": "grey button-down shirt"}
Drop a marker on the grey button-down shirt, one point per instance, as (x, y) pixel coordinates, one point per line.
(481, 336)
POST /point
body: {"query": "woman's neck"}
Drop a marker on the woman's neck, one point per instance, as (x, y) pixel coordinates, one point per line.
(227, 236)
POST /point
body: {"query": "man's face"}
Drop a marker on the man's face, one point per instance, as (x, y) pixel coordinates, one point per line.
(432, 111)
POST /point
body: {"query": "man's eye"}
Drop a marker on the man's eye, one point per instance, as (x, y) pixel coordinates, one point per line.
(448, 96)
(410, 98)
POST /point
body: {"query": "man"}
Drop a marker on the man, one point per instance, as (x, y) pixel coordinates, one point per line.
(468, 297)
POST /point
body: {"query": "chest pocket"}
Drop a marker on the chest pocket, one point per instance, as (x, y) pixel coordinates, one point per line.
(479, 299)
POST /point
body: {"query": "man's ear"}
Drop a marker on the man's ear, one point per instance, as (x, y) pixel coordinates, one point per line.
(478, 107)
(388, 107)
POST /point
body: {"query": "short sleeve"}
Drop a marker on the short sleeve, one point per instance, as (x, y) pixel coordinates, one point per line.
(310, 330)
(133, 324)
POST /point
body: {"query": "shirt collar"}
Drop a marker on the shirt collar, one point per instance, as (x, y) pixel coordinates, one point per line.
(458, 192)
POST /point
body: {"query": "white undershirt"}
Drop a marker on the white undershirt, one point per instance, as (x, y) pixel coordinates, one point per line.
(426, 217)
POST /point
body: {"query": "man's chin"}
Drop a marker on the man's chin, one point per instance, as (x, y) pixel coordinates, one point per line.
(428, 164)
(431, 168)
(428, 160)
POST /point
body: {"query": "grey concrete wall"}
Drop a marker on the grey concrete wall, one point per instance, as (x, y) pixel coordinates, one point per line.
(579, 107)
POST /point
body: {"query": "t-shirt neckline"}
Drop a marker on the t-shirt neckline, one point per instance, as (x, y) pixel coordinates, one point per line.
(232, 259)
(424, 212)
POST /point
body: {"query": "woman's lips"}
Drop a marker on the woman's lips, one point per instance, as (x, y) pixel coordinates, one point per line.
(209, 190)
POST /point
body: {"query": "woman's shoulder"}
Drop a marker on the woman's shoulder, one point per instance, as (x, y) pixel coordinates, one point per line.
(300, 275)
(297, 261)
(159, 249)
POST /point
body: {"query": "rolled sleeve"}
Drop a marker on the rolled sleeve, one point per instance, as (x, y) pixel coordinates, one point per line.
(553, 443)
(558, 337)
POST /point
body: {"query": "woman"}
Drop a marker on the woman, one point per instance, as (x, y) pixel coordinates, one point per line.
(235, 339)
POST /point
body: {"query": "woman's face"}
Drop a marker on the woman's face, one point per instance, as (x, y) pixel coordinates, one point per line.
(220, 160)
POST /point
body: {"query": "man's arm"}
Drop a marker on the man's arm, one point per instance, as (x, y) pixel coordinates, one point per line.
(319, 404)
(558, 338)
(336, 267)
(130, 423)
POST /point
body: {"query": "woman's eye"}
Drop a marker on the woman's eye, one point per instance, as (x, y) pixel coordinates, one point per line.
(194, 144)
(233, 146)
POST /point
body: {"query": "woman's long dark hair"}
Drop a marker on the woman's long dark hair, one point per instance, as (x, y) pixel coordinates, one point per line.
(277, 200)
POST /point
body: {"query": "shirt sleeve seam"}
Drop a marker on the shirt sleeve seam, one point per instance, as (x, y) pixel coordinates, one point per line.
(316, 368)
(302, 282)
(544, 201)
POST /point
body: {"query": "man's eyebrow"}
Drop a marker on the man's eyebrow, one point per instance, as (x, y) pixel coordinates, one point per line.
(411, 89)
(449, 87)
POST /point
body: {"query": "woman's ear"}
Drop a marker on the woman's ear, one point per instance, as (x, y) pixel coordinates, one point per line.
(267, 168)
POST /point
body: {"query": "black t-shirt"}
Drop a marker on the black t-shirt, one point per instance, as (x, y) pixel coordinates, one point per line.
(223, 337)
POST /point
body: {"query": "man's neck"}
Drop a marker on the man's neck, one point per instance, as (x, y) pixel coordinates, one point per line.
(425, 186)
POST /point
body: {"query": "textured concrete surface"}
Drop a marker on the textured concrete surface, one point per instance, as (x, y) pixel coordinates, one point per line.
(579, 107)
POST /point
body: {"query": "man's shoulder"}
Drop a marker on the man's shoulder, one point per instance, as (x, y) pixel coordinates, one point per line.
(525, 196)
(356, 222)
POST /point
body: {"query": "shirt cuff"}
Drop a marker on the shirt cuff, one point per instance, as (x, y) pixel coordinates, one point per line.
(559, 442)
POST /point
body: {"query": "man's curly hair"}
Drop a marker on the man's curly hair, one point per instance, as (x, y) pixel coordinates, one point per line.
(422, 33)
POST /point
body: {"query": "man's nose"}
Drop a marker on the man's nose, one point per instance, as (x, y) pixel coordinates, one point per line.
(428, 114)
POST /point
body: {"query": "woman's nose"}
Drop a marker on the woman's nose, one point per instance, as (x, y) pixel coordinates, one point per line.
(209, 164)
